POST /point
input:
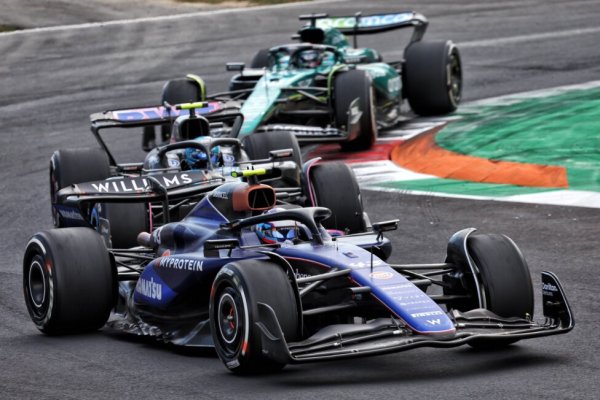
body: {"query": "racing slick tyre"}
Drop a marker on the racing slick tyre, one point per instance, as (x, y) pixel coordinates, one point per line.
(258, 145)
(68, 281)
(347, 87)
(261, 59)
(432, 77)
(505, 278)
(234, 313)
(334, 186)
(75, 166)
(125, 222)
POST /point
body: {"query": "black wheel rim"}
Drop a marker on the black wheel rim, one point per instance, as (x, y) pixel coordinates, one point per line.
(230, 321)
(37, 287)
(454, 78)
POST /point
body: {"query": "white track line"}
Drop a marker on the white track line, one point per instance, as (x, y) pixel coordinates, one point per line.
(471, 44)
(515, 39)
(88, 25)
(528, 38)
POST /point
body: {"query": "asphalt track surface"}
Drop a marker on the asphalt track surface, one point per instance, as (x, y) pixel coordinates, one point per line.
(50, 81)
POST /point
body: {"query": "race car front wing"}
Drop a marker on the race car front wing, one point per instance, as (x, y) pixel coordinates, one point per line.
(389, 335)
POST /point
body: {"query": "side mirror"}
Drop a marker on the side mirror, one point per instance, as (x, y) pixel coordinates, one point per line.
(235, 66)
(385, 226)
(281, 153)
(212, 247)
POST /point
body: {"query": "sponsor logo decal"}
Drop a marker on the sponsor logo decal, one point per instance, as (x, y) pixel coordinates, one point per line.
(434, 321)
(399, 287)
(382, 275)
(141, 114)
(426, 314)
(301, 274)
(149, 288)
(549, 289)
(139, 185)
(70, 214)
(361, 264)
(394, 84)
(218, 194)
(370, 21)
(174, 163)
(181, 263)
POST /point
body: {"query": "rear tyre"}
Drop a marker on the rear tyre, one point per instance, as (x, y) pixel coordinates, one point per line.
(348, 87)
(433, 77)
(235, 294)
(258, 145)
(505, 278)
(68, 281)
(261, 59)
(334, 186)
(71, 166)
(125, 220)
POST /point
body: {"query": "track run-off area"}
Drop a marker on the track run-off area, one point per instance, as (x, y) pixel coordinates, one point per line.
(53, 78)
(535, 147)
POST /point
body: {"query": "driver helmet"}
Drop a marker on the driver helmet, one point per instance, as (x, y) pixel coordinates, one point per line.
(277, 231)
(309, 59)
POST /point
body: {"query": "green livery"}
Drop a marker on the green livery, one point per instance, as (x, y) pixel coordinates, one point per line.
(325, 89)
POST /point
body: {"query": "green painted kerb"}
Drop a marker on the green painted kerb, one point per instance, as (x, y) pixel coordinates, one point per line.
(561, 129)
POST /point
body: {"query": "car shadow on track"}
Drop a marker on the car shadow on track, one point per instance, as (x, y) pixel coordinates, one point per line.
(436, 365)
(152, 342)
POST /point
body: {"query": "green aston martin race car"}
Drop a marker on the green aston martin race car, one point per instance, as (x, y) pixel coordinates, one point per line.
(324, 89)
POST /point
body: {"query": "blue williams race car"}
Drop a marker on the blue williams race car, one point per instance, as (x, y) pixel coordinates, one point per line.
(198, 158)
(268, 286)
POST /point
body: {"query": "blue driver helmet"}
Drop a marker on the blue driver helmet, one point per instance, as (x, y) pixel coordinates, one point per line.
(277, 231)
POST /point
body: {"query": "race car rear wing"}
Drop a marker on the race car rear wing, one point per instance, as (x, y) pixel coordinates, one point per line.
(213, 111)
(359, 24)
(145, 115)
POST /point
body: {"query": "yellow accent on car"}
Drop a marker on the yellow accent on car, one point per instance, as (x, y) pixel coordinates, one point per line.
(248, 172)
(200, 83)
(189, 106)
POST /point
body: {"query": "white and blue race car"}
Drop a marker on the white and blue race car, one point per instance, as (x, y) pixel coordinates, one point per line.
(268, 286)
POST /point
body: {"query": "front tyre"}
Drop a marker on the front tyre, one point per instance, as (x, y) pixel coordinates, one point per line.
(334, 186)
(354, 99)
(505, 280)
(259, 145)
(235, 294)
(68, 281)
(433, 77)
